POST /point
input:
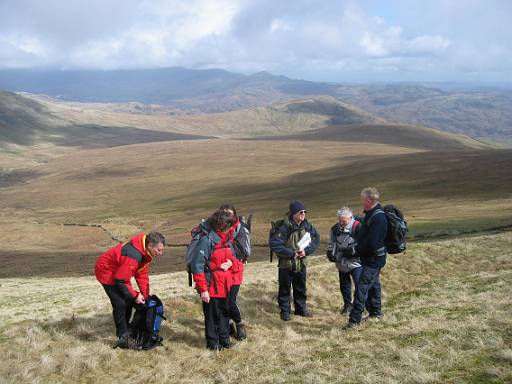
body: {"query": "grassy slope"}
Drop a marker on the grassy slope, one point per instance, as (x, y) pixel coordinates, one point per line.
(447, 319)
(393, 134)
(125, 190)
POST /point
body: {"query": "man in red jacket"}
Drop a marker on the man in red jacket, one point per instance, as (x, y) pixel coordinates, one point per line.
(115, 269)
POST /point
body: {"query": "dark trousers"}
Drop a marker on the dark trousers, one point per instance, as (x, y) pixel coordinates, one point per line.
(346, 279)
(368, 294)
(216, 322)
(121, 309)
(233, 310)
(287, 280)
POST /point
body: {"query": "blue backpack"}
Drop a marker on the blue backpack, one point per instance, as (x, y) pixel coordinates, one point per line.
(146, 322)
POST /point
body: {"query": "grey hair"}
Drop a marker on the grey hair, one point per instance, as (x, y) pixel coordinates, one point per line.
(345, 212)
(371, 193)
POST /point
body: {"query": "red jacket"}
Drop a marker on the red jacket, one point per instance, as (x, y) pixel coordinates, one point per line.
(221, 281)
(123, 262)
(238, 272)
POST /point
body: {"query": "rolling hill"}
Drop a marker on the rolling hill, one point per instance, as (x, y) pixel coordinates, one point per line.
(118, 172)
(479, 111)
(27, 122)
(393, 134)
(212, 90)
(43, 114)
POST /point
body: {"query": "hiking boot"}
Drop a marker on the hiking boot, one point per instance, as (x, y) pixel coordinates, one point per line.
(127, 342)
(214, 347)
(351, 325)
(345, 310)
(232, 329)
(304, 314)
(225, 344)
(376, 316)
(285, 316)
(241, 333)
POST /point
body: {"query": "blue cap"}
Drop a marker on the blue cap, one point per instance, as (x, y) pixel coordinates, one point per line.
(296, 206)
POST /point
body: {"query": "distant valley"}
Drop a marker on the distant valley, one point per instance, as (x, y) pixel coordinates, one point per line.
(481, 112)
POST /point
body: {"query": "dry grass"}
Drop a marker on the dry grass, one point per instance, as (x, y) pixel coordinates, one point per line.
(447, 307)
(169, 186)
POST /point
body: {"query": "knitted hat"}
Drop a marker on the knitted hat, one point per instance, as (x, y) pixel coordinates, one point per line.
(296, 206)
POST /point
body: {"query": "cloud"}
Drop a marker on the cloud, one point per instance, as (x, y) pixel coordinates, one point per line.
(330, 40)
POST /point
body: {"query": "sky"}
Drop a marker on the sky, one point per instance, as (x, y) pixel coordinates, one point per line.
(322, 40)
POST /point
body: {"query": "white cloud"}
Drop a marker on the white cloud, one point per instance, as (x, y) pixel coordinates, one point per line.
(329, 40)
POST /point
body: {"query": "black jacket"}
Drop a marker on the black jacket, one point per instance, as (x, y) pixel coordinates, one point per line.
(371, 238)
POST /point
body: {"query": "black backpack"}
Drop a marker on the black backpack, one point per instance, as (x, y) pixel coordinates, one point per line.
(274, 227)
(146, 322)
(242, 237)
(397, 229)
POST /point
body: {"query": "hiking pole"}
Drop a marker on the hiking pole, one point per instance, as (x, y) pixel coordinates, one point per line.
(189, 279)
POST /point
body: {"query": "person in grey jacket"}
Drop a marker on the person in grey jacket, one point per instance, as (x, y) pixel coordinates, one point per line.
(341, 250)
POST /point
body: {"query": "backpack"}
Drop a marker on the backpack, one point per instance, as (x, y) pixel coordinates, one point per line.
(242, 239)
(395, 241)
(146, 322)
(274, 227)
(197, 234)
(348, 244)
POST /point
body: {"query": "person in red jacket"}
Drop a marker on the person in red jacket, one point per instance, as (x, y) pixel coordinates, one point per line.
(212, 269)
(114, 270)
(237, 326)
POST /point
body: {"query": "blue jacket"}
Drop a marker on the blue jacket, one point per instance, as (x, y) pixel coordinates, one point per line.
(371, 238)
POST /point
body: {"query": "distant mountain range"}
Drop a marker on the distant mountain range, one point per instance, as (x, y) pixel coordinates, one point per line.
(482, 112)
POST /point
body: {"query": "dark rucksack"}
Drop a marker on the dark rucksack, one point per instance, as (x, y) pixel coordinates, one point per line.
(242, 239)
(146, 322)
(274, 228)
(197, 234)
(397, 229)
(345, 248)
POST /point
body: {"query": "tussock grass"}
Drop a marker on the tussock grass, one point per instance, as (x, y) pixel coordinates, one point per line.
(447, 320)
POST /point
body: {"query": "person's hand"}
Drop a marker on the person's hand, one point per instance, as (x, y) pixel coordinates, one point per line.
(139, 299)
(205, 297)
(301, 254)
(226, 265)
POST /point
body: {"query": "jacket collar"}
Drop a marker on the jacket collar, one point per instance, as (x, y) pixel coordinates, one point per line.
(139, 242)
(348, 227)
(378, 206)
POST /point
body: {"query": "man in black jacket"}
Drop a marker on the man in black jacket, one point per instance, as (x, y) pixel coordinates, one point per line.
(286, 243)
(372, 251)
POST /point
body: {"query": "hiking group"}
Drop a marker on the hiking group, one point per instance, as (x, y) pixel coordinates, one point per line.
(218, 252)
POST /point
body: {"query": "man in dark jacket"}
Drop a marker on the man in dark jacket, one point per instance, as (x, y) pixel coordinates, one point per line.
(115, 268)
(372, 251)
(294, 239)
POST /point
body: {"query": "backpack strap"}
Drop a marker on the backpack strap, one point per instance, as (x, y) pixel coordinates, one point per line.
(355, 227)
(377, 211)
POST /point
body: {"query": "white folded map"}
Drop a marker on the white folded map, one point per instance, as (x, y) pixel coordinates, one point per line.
(305, 241)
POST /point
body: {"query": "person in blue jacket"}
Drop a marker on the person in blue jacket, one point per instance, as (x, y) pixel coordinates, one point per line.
(371, 250)
(286, 243)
